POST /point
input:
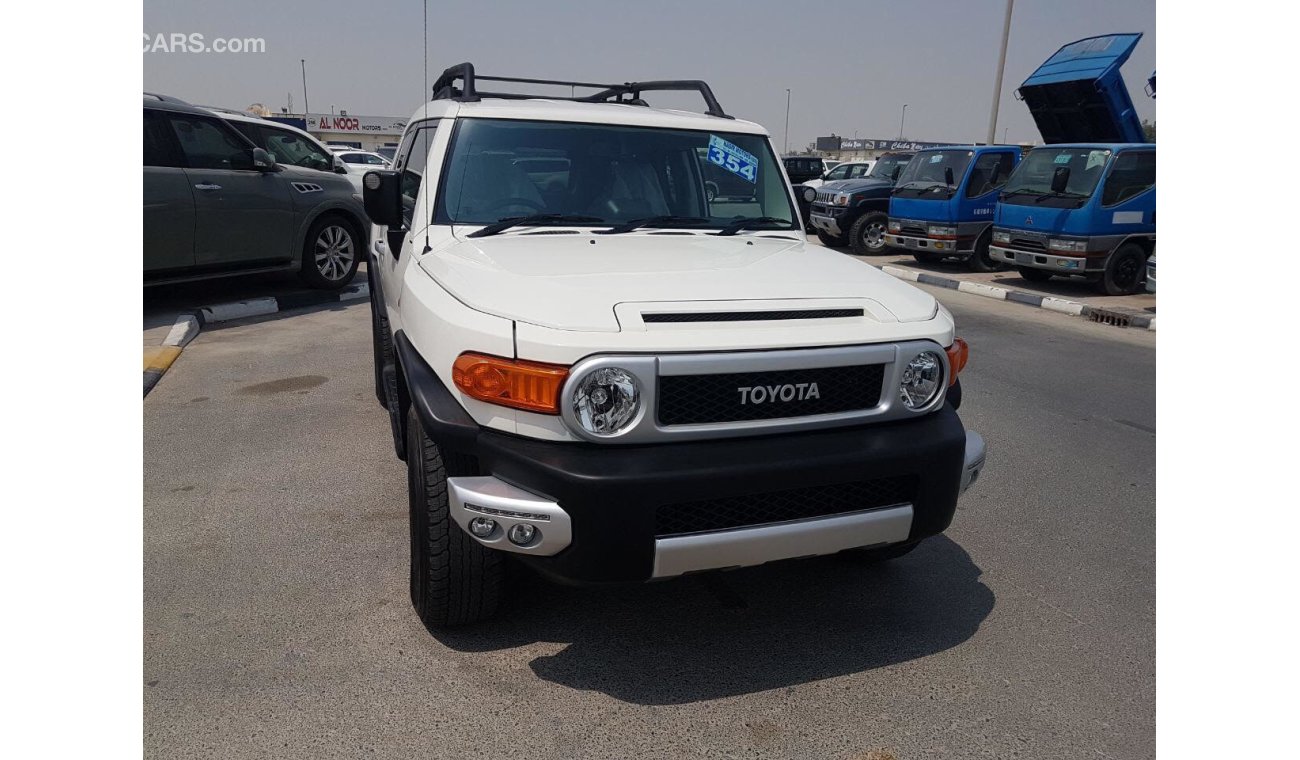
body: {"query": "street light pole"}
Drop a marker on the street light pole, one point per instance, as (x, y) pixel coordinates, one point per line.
(901, 120)
(787, 120)
(997, 84)
(305, 108)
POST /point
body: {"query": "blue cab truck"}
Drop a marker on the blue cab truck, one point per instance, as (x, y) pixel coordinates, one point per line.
(1083, 204)
(943, 204)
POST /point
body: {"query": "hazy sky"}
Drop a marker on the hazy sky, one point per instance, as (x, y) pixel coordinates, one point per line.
(850, 65)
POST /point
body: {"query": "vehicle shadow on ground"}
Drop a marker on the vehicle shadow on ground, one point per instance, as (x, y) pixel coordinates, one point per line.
(163, 302)
(726, 634)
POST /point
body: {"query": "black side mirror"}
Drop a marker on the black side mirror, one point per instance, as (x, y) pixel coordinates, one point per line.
(339, 168)
(381, 193)
(263, 161)
(947, 176)
(1060, 178)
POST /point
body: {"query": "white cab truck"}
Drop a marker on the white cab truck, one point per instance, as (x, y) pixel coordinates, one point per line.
(593, 367)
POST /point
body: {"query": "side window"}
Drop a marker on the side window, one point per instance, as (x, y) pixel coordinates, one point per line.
(410, 161)
(839, 172)
(857, 171)
(1134, 173)
(158, 149)
(989, 173)
(289, 148)
(251, 131)
(209, 144)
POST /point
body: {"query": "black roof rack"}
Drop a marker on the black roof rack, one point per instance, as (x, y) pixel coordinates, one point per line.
(628, 93)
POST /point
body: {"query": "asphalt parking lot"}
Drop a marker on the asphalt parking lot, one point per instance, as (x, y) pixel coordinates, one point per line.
(277, 622)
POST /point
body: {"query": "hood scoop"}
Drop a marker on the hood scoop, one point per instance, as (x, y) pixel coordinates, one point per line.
(678, 317)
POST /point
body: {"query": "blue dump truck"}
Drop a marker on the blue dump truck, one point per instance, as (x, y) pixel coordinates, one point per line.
(943, 204)
(1084, 204)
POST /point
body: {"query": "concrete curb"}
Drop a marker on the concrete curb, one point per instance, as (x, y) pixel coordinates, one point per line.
(1061, 305)
(159, 359)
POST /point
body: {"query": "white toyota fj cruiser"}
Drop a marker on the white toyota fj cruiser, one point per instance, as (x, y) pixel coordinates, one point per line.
(594, 365)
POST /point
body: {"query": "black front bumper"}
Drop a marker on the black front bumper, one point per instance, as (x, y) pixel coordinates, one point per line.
(612, 492)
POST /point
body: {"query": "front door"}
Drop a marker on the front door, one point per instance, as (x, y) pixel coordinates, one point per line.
(168, 202)
(242, 216)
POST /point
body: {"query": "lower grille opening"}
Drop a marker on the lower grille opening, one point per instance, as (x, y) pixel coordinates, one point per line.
(780, 506)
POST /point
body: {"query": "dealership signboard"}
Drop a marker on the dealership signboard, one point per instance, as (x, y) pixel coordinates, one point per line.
(361, 125)
(853, 143)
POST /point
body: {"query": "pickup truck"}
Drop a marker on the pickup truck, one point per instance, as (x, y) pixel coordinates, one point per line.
(593, 367)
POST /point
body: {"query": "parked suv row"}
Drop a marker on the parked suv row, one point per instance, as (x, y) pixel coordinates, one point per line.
(217, 204)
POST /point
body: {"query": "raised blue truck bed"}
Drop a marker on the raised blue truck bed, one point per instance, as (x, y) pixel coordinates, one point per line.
(1078, 95)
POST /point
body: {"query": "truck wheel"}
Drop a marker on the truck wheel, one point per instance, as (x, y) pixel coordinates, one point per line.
(1125, 271)
(883, 554)
(829, 240)
(330, 253)
(1034, 275)
(454, 579)
(980, 261)
(867, 235)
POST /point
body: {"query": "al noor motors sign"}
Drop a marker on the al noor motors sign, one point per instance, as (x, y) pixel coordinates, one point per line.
(370, 125)
(853, 143)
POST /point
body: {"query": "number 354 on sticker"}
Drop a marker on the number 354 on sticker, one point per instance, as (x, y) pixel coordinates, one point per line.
(733, 158)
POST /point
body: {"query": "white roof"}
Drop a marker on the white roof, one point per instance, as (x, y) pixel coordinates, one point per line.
(545, 109)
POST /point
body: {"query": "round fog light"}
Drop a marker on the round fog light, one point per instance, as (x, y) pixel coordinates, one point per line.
(522, 534)
(921, 380)
(482, 526)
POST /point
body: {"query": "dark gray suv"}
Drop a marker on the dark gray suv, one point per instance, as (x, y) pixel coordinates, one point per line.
(216, 205)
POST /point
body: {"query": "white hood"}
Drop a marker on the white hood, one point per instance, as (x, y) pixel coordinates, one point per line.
(579, 281)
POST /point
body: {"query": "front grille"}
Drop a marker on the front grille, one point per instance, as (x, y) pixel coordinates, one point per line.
(779, 506)
(701, 399)
(913, 229)
(751, 316)
(1028, 244)
(826, 198)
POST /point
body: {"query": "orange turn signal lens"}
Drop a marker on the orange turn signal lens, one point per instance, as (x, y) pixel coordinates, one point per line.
(958, 355)
(532, 386)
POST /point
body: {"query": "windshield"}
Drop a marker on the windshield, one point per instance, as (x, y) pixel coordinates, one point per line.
(1033, 177)
(928, 171)
(611, 174)
(884, 168)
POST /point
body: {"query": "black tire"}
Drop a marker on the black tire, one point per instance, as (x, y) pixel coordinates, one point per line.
(867, 235)
(381, 340)
(1125, 272)
(1034, 275)
(980, 261)
(830, 241)
(454, 579)
(339, 244)
(883, 554)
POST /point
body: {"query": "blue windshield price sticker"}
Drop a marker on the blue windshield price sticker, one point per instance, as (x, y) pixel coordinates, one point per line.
(733, 158)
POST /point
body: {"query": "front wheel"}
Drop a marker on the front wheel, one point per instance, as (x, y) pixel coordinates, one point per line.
(1125, 271)
(981, 261)
(331, 253)
(867, 235)
(829, 240)
(455, 580)
(1034, 275)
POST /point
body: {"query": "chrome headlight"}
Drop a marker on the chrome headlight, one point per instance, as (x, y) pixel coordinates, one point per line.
(1073, 246)
(895, 226)
(606, 400)
(922, 380)
(938, 230)
(809, 194)
(1000, 236)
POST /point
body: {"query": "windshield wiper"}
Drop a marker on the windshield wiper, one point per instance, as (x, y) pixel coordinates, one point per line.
(501, 225)
(747, 223)
(653, 221)
(1062, 194)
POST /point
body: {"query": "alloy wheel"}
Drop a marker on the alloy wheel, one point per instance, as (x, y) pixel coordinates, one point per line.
(334, 252)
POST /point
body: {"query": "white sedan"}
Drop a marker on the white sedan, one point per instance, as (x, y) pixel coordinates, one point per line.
(358, 162)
